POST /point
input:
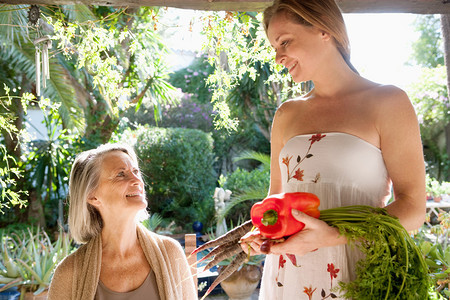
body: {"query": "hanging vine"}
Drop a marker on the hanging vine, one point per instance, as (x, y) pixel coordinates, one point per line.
(237, 45)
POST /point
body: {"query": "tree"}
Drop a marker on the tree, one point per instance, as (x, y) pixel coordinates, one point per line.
(9, 173)
(246, 76)
(428, 49)
(105, 60)
(430, 98)
(445, 24)
(429, 95)
(120, 60)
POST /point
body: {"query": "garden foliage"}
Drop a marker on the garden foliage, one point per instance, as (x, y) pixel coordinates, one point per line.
(247, 186)
(29, 257)
(430, 99)
(177, 164)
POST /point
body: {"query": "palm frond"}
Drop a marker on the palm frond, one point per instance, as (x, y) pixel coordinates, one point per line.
(13, 23)
(78, 13)
(61, 90)
(255, 194)
(263, 158)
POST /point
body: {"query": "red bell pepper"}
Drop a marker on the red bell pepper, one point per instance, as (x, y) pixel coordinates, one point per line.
(273, 217)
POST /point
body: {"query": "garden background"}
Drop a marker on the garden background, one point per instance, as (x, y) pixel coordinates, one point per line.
(112, 78)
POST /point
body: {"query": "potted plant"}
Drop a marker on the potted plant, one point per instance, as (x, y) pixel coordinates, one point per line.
(31, 261)
(436, 189)
(434, 244)
(243, 282)
(9, 271)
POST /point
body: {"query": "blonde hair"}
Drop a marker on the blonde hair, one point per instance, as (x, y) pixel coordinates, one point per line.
(85, 221)
(322, 14)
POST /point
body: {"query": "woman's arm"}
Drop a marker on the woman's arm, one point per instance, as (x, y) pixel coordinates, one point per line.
(252, 241)
(401, 147)
(276, 144)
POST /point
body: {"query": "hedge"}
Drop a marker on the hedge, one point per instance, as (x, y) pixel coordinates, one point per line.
(177, 164)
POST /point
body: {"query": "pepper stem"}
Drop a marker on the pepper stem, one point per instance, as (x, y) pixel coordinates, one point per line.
(270, 217)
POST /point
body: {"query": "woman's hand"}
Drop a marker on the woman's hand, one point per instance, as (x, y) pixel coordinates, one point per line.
(252, 242)
(316, 234)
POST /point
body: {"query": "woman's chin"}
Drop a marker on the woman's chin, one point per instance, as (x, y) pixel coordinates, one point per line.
(143, 203)
(298, 79)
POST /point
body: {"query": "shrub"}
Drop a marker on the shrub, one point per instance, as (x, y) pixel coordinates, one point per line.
(247, 187)
(240, 180)
(177, 164)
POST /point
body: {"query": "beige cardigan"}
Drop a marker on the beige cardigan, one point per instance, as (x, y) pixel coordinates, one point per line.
(77, 276)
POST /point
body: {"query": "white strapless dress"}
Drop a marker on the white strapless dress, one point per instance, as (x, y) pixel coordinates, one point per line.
(341, 169)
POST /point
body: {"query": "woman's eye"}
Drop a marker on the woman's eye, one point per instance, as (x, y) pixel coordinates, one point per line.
(284, 43)
(136, 172)
(121, 174)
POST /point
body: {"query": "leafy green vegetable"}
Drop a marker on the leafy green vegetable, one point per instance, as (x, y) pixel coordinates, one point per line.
(393, 267)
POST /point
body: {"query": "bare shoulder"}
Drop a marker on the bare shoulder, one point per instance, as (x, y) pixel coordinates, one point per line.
(390, 94)
(290, 105)
(391, 103)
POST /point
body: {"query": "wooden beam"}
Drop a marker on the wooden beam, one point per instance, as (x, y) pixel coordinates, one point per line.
(347, 6)
(395, 6)
(225, 5)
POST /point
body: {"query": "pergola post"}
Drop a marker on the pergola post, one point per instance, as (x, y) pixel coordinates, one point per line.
(445, 29)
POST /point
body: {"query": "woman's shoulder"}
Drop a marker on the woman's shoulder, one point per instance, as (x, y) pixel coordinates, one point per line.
(61, 284)
(380, 92)
(389, 90)
(392, 108)
(68, 264)
(291, 105)
(390, 97)
(166, 241)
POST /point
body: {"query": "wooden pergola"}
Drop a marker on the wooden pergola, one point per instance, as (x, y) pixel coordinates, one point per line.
(347, 6)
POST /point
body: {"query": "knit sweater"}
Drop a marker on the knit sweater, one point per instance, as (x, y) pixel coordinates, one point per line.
(77, 276)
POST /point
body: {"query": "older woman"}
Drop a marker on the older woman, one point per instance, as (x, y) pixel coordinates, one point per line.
(119, 258)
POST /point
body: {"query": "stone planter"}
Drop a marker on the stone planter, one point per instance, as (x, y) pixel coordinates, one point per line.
(241, 284)
(31, 296)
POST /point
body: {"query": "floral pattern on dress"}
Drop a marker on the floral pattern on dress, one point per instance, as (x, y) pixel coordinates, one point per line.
(309, 291)
(296, 172)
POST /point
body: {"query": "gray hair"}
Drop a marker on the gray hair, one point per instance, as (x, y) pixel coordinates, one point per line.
(85, 221)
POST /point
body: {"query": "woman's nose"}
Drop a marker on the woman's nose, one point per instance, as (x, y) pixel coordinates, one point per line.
(137, 179)
(279, 58)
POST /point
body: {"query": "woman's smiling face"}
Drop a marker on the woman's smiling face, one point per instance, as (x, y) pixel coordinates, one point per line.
(120, 184)
(298, 47)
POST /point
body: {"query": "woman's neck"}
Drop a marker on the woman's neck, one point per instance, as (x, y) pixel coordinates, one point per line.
(335, 80)
(119, 237)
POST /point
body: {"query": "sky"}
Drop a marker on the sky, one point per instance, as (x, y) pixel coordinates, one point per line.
(380, 43)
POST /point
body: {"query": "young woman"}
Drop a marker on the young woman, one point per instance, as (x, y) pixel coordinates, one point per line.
(119, 258)
(348, 140)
